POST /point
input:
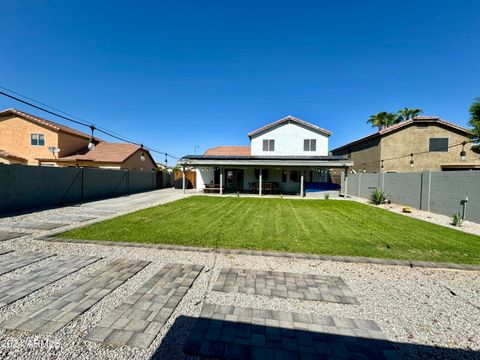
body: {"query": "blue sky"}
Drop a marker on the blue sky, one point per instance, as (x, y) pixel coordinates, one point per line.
(182, 73)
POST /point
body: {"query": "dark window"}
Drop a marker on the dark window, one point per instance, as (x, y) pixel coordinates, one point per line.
(294, 175)
(310, 145)
(349, 155)
(284, 176)
(264, 174)
(37, 139)
(438, 145)
(268, 145)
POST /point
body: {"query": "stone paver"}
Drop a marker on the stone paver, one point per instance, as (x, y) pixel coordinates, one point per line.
(56, 311)
(139, 319)
(17, 261)
(15, 289)
(7, 235)
(36, 225)
(72, 218)
(230, 332)
(5, 251)
(285, 285)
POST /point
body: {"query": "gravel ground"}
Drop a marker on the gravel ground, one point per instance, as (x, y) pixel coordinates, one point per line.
(423, 310)
(443, 220)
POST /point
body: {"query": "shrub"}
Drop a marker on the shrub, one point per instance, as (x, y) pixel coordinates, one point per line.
(457, 219)
(378, 197)
(326, 196)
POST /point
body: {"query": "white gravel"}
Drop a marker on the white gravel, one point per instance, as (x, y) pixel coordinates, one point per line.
(413, 306)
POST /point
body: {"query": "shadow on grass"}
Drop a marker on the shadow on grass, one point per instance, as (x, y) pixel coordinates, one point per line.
(232, 340)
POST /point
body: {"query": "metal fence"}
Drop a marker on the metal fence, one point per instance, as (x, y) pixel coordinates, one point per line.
(26, 187)
(439, 192)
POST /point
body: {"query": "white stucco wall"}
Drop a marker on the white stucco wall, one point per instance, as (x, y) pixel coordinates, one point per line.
(204, 176)
(289, 141)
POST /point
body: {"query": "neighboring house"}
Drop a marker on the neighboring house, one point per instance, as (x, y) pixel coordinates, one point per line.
(286, 156)
(29, 140)
(435, 143)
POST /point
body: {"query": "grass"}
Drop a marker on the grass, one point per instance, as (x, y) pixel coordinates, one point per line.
(307, 226)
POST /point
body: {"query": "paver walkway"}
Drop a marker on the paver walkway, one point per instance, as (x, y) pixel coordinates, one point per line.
(7, 235)
(139, 319)
(230, 332)
(3, 252)
(36, 225)
(71, 218)
(58, 310)
(17, 261)
(284, 284)
(15, 289)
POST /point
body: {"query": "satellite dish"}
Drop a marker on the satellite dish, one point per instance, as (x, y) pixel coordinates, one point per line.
(53, 149)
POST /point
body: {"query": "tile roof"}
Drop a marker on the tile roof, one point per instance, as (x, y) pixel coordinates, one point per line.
(105, 152)
(403, 124)
(5, 154)
(293, 119)
(47, 123)
(228, 151)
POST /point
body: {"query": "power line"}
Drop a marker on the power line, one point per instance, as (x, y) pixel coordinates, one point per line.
(78, 120)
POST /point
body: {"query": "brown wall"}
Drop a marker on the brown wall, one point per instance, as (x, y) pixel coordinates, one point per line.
(416, 139)
(68, 144)
(134, 162)
(365, 156)
(15, 138)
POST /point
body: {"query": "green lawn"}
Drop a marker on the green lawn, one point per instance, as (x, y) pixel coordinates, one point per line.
(309, 226)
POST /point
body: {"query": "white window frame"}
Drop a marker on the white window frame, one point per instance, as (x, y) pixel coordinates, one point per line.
(310, 145)
(268, 145)
(37, 138)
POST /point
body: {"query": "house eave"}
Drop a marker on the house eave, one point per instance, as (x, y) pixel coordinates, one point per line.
(321, 161)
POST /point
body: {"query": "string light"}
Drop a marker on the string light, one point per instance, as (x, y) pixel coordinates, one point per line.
(142, 154)
(463, 154)
(381, 165)
(411, 160)
(91, 142)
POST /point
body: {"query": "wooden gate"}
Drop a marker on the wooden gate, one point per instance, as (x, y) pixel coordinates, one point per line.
(190, 179)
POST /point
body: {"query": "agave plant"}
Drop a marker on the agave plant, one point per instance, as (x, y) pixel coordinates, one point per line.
(378, 197)
(457, 219)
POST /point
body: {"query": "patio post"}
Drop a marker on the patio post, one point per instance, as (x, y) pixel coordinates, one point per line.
(221, 181)
(183, 178)
(346, 182)
(260, 183)
(302, 178)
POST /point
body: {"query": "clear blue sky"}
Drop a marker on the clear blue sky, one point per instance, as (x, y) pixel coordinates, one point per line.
(182, 73)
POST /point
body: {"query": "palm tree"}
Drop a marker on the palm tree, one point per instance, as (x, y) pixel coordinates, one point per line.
(407, 113)
(383, 119)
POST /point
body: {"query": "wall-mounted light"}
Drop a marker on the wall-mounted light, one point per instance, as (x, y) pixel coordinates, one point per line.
(91, 142)
(412, 163)
(463, 154)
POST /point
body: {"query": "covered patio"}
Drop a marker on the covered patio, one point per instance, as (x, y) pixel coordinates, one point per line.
(264, 175)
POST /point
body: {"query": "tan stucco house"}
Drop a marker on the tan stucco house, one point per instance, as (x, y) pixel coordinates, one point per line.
(435, 143)
(29, 140)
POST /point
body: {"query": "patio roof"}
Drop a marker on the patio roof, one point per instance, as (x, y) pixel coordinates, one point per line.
(309, 161)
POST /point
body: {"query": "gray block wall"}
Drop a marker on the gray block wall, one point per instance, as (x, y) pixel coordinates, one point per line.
(28, 187)
(438, 192)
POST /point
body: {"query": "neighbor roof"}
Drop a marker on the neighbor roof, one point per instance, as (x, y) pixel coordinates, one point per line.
(5, 154)
(228, 151)
(47, 123)
(416, 120)
(290, 119)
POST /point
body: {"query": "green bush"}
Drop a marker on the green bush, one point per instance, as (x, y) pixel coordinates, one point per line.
(457, 219)
(378, 197)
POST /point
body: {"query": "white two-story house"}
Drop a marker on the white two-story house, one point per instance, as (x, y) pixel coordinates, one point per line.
(288, 156)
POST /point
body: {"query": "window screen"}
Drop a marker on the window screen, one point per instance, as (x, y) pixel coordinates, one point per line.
(438, 145)
(268, 145)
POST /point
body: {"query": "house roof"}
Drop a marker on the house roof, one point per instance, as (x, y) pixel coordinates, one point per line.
(5, 154)
(228, 151)
(104, 152)
(47, 123)
(290, 119)
(416, 120)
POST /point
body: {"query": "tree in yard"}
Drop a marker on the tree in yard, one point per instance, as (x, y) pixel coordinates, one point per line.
(406, 113)
(383, 119)
(475, 122)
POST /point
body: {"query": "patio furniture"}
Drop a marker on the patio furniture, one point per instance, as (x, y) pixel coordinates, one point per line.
(211, 188)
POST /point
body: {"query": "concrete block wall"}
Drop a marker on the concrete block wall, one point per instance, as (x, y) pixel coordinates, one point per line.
(28, 187)
(438, 192)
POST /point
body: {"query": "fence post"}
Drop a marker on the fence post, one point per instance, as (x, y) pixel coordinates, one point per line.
(82, 189)
(359, 183)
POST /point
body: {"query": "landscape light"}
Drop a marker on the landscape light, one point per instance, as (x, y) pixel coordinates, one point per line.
(411, 160)
(91, 142)
(463, 154)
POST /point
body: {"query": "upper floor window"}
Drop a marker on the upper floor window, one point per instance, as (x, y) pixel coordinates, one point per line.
(438, 145)
(37, 139)
(310, 145)
(268, 145)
